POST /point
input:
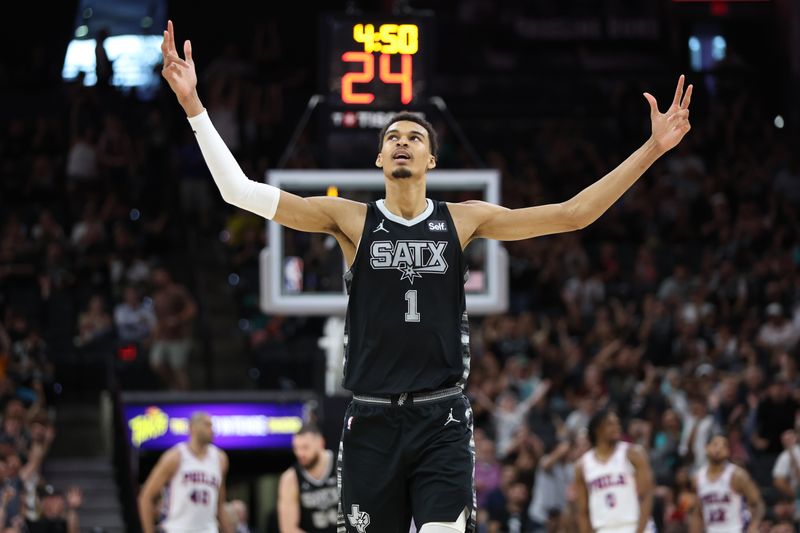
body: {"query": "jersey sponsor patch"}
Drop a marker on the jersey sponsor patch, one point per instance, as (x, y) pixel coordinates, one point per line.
(437, 225)
(411, 258)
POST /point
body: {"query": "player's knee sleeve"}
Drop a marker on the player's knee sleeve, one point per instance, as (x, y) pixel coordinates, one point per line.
(459, 525)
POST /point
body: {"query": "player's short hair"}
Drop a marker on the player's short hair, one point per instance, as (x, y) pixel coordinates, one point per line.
(197, 416)
(412, 117)
(716, 432)
(309, 428)
(594, 423)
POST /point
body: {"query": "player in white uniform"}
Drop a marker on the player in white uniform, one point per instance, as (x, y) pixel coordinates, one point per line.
(614, 481)
(193, 473)
(724, 493)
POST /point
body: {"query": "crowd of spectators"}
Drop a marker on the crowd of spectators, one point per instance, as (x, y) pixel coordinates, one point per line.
(28, 503)
(679, 308)
(93, 264)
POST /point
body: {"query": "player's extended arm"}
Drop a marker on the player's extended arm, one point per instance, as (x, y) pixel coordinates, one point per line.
(644, 485)
(165, 468)
(743, 484)
(222, 517)
(494, 222)
(289, 503)
(582, 501)
(316, 214)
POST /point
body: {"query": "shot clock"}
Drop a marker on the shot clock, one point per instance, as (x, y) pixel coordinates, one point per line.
(374, 63)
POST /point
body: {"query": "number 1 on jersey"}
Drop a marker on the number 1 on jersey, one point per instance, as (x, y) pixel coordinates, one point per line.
(411, 297)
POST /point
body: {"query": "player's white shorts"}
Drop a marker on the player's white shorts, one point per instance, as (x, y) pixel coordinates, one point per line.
(626, 528)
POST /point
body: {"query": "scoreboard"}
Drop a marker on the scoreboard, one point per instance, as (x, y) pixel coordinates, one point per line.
(375, 63)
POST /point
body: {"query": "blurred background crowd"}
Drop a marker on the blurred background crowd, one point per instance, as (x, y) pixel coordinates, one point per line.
(680, 307)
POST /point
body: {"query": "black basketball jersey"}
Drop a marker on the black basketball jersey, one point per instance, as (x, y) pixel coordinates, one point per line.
(406, 327)
(319, 499)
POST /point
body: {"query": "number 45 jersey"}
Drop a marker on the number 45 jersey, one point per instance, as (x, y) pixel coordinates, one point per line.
(406, 328)
(191, 498)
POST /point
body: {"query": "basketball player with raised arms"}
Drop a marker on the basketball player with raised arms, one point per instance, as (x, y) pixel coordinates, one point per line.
(728, 500)
(406, 447)
(614, 481)
(191, 476)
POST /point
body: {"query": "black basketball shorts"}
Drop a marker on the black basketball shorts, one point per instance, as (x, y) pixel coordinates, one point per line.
(406, 457)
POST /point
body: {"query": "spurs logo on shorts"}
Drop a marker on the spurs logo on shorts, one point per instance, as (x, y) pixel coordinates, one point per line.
(358, 519)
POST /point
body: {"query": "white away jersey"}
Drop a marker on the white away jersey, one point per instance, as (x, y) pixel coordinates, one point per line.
(191, 498)
(613, 499)
(723, 508)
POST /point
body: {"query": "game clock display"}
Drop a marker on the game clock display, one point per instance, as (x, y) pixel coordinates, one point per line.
(373, 63)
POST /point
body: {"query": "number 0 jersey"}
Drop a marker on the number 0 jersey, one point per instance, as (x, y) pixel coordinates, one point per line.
(613, 498)
(191, 499)
(406, 328)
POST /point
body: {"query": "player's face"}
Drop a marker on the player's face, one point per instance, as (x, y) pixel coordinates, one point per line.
(406, 150)
(203, 430)
(611, 429)
(717, 450)
(307, 449)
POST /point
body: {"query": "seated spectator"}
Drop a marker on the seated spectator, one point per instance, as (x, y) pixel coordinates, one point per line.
(697, 428)
(47, 229)
(237, 516)
(14, 435)
(496, 499)
(778, 332)
(664, 453)
(175, 312)
(134, 320)
(554, 476)
(487, 469)
(59, 512)
(88, 233)
(775, 414)
(8, 521)
(514, 517)
(93, 323)
(510, 413)
(786, 472)
(82, 158)
(783, 515)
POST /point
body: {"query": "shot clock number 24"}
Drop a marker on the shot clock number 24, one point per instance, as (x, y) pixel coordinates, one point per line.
(388, 50)
(375, 63)
(384, 60)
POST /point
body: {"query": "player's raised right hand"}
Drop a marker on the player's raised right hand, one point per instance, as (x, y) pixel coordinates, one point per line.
(180, 73)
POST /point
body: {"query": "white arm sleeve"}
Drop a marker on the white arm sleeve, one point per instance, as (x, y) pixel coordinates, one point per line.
(236, 188)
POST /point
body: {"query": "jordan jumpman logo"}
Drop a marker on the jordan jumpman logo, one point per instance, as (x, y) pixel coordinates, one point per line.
(380, 227)
(450, 418)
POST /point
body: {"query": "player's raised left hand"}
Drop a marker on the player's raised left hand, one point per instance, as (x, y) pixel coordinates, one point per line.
(669, 128)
